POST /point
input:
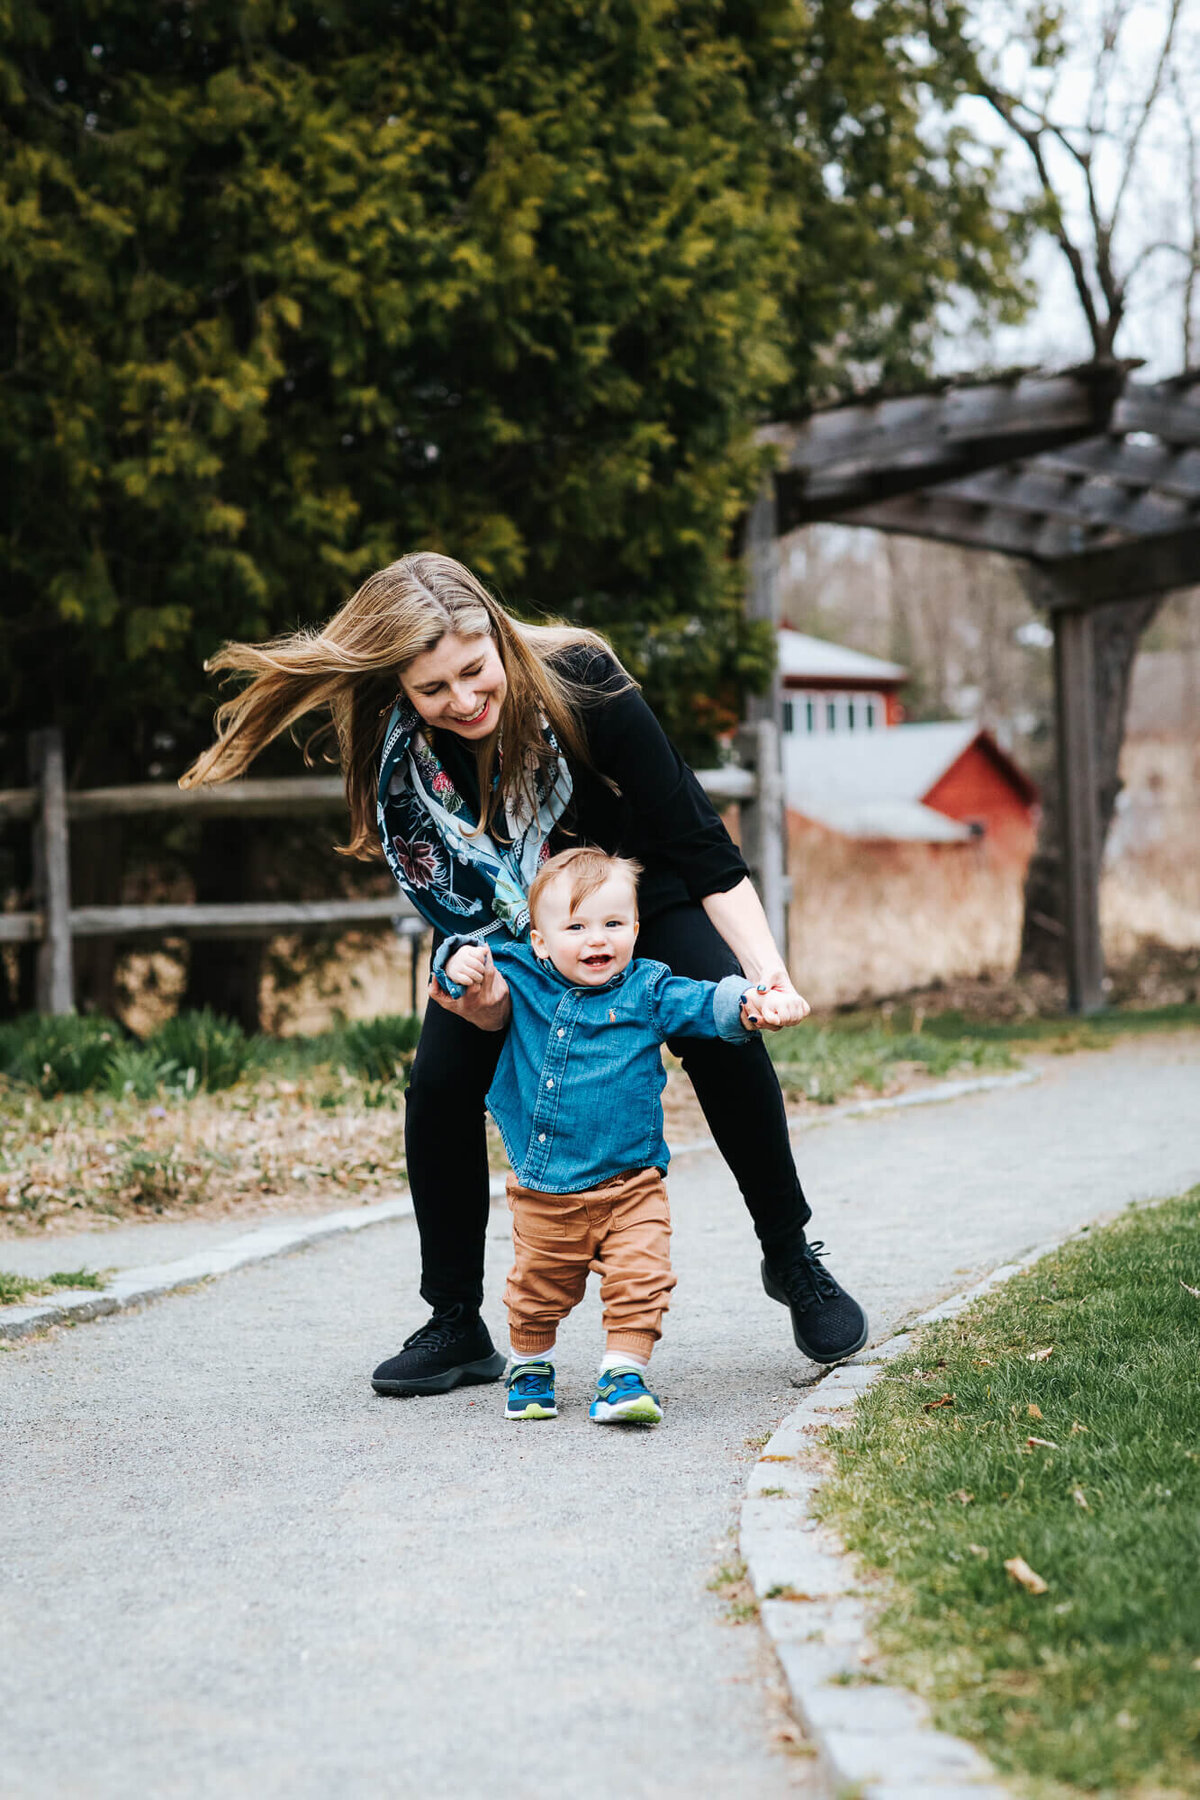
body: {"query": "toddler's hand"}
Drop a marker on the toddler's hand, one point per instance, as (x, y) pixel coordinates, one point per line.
(773, 1009)
(468, 966)
(485, 1000)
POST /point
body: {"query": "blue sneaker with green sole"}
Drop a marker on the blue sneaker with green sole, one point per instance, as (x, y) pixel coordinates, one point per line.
(622, 1398)
(531, 1392)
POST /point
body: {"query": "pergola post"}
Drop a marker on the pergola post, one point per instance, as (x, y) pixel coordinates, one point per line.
(761, 551)
(764, 820)
(1079, 801)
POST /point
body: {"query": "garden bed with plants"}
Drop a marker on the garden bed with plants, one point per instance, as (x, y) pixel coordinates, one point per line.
(94, 1124)
(1026, 1483)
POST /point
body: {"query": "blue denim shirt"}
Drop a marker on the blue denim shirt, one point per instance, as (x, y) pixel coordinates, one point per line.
(577, 1090)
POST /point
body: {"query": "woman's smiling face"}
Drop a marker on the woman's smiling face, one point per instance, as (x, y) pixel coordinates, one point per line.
(459, 685)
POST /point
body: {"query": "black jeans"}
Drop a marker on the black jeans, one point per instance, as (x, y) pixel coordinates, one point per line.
(445, 1140)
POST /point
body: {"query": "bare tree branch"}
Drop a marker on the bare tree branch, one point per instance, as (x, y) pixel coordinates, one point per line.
(1161, 68)
(1193, 190)
(1032, 138)
(1119, 125)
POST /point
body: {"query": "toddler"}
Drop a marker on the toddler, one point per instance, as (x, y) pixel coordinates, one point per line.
(576, 1096)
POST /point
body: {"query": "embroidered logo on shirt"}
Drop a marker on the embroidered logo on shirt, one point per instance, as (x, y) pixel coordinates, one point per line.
(612, 1017)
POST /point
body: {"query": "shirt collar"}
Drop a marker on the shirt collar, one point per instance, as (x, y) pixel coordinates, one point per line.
(555, 974)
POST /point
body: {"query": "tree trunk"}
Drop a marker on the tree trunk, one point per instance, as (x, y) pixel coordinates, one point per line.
(224, 973)
(1117, 630)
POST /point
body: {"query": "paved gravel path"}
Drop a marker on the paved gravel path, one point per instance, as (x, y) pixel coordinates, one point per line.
(227, 1569)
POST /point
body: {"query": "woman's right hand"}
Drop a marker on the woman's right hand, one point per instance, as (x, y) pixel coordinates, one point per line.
(486, 1004)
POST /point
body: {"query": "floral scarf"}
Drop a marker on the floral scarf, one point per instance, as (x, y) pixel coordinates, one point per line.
(458, 878)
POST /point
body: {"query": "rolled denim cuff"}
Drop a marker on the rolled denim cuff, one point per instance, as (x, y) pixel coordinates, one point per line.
(445, 952)
(727, 1009)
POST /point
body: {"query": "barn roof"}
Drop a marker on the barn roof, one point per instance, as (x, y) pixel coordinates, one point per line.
(901, 821)
(808, 658)
(874, 784)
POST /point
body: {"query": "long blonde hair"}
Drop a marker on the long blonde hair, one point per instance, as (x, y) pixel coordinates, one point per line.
(351, 668)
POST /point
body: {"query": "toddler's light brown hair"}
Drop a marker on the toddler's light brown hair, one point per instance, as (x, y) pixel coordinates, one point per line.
(588, 869)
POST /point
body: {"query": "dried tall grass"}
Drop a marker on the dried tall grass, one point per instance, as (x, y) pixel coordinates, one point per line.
(1151, 887)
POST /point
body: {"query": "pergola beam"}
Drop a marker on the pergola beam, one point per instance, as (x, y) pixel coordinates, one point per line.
(1166, 409)
(1146, 565)
(976, 525)
(857, 455)
(1032, 488)
(1135, 466)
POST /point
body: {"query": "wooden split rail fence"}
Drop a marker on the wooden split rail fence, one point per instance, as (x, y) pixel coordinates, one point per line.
(49, 807)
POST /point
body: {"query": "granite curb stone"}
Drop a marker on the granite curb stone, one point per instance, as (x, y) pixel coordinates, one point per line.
(877, 1740)
(137, 1287)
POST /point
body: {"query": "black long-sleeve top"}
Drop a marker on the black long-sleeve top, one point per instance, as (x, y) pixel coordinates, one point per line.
(661, 816)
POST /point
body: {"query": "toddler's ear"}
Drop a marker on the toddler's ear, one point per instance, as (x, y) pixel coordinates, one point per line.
(537, 943)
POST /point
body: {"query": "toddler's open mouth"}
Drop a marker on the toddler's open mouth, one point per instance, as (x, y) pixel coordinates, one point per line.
(600, 961)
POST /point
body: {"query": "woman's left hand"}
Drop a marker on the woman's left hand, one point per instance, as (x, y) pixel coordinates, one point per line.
(773, 1003)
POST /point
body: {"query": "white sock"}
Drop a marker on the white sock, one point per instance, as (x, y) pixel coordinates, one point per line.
(622, 1359)
(529, 1356)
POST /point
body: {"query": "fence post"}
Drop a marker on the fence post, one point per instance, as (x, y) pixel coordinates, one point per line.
(55, 987)
(763, 823)
(413, 931)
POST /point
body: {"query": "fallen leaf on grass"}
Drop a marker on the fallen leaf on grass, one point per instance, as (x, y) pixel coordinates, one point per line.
(962, 1496)
(1076, 1428)
(1195, 1292)
(943, 1400)
(1040, 1355)
(1041, 1443)
(1028, 1578)
(1080, 1498)
(1034, 1410)
(980, 1550)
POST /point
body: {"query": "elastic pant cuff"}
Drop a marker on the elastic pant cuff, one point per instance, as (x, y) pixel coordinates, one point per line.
(634, 1343)
(529, 1342)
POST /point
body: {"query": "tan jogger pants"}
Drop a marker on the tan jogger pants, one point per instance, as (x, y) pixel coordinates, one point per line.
(621, 1229)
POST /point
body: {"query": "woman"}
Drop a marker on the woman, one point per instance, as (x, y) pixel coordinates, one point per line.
(473, 746)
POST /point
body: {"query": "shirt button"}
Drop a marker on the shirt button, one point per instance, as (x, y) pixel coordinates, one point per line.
(560, 1031)
(550, 1083)
(541, 1137)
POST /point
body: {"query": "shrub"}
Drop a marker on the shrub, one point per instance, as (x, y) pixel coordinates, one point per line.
(381, 1049)
(216, 1049)
(134, 1070)
(153, 1178)
(58, 1054)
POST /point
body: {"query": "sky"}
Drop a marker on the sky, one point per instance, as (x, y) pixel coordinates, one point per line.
(1098, 99)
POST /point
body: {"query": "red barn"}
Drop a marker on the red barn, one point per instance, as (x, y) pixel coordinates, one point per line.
(850, 768)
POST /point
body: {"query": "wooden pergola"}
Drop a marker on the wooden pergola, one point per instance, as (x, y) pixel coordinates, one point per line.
(1090, 477)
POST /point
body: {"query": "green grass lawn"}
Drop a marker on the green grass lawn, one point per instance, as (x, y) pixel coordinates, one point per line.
(1056, 1422)
(824, 1063)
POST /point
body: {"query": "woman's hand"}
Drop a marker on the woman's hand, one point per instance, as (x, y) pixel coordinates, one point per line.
(773, 1003)
(486, 1001)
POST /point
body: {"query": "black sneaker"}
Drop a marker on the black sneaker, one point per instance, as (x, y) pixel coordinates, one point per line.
(453, 1349)
(827, 1324)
